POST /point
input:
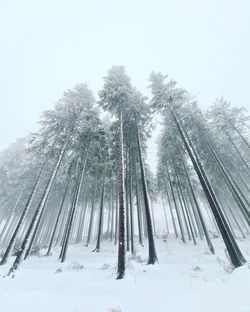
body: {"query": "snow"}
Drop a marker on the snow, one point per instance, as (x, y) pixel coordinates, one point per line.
(188, 278)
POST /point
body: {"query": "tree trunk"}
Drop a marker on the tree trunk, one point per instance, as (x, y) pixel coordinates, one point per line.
(138, 206)
(165, 214)
(198, 209)
(98, 243)
(237, 150)
(176, 207)
(19, 224)
(121, 247)
(131, 208)
(152, 256)
(242, 137)
(74, 205)
(235, 254)
(92, 212)
(58, 216)
(170, 208)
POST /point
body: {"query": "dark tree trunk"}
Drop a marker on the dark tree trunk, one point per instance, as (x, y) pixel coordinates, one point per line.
(131, 208)
(237, 150)
(242, 137)
(36, 227)
(234, 191)
(19, 224)
(176, 207)
(121, 247)
(165, 214)
(98, 243)
(92, 212)
(107, 236)
(170, 208)
(58, 216)
(39, 209)
(138, 206)
(74, 205)
(127, 210)
(234, 252)
(182, 210)
(116, 217)
(187, 214)
(152, 256)
(198, 209)
(10, 216)
(69, 221)
(112, 213)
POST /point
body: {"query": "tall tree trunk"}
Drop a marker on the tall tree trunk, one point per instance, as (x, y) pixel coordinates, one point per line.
(187, 214)
(98, 243)
(68, 223)
(30, 245)
(36, 216)
(152, 256)
(112, 213)
(116, 216)
(236, 195)
(58, 216)
(153, 217)
(75, 202)
(198, 209)
(138, 206)
(127, 210)
(121, 247)
(176, 207)
(165, 214)
(107, 236)
(170, 207)
(237, 150)
(10, 217)
(131, 208)
(182, 210)
(19, 224)
(92, 212)
(234, 252)
(242, 137)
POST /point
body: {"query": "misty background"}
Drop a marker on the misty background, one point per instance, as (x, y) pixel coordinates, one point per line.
(47, 47)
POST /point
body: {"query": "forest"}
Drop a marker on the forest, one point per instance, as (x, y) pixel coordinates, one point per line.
(83, 178)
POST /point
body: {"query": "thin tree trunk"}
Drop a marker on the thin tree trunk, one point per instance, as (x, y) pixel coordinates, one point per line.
(198, 209)
(58, 216)
(19, 224)
(10, 217)
(116, 217)
(176, 207)
(242, 137)
(98, 243)
(127, 211)
(237, 150)
(92, 212)
(152, 256)
(165, 214)
(235, 254)
(138, 206)
(170, 208)
(121, 247)
(69, 219)
(112, 213)
(131, 208)
(75, 202)
(231, 187)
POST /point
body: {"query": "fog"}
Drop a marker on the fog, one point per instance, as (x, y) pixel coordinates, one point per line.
(49, 46)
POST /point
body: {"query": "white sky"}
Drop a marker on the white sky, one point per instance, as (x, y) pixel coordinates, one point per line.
(48, 46)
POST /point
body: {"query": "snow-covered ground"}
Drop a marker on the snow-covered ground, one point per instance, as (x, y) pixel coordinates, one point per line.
(188, 278)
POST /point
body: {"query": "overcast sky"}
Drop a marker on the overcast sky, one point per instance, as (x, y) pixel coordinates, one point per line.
(48, 46)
